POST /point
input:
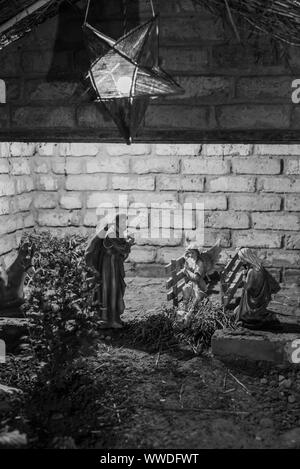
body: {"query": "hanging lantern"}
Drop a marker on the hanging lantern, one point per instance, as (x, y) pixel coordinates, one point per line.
(125, 73)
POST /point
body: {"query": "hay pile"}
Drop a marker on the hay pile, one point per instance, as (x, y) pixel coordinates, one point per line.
(277, 18)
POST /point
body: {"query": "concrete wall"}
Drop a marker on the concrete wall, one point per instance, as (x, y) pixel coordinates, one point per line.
(233, 92)
(251, 194)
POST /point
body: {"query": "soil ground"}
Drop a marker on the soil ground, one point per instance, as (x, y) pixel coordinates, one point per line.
(127, 397)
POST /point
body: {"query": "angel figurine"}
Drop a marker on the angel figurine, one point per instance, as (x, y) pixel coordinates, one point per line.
(106, 253)
(198, 266)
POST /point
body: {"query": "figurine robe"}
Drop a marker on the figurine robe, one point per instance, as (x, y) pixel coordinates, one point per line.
(107, 256)
(257, 294)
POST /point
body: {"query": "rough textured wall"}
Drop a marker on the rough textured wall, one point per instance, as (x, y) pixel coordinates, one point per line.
(16, 194)
(251, 193)
(232, 90)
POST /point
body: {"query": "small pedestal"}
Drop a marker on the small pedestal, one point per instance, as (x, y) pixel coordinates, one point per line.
(258, 346)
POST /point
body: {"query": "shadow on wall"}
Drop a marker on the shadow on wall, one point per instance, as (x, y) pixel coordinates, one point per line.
(109, 17)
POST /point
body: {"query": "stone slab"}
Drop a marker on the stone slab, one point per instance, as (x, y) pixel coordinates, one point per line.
(258, 346)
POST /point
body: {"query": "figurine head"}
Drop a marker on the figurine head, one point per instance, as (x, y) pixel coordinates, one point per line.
(192, 252)
(248, 257)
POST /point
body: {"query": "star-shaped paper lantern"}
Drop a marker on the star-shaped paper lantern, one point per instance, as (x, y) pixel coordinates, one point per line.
(125, 74)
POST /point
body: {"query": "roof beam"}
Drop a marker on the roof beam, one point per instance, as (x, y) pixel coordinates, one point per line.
(23, 14)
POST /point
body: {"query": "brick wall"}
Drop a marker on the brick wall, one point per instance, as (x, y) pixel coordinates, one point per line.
(251, 194)
(233, 92)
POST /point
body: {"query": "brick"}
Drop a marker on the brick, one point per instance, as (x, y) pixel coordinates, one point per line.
(174, 240)
(24, 184)
(71, 201)
(79, 149)
(23, 202)
(182, 59)
(22, 149)
(180, 183)
(47, 183)
(253, 116)
(292, 203)
(174, 117)
(43, 117)
(261, 88)
(205, 166)
(114, 199)
(119, 149)
(4, 150)
(292, 166)
(176, 149)
(29, 221)
(227, 149)
(243, 57)
(292, 276)
(88, 183)
(277, 150)
(7, 243)
(50, 91)
(256, 239)
(279, 184)
(45, 200)
(166, 254)
(256, 166)
(161, 164)
(58, 165)
(292, 241)
(232, 184)
(142, 255)
(19, 166)
(54, 218)
(206, 88)
(276, 221)
(212, 236)
(47, 149)
(282, 258)
(90, 218)
(210, 201)
(74, 165)
(146, 183)
(41, 165)
(9, 224)
(234, 220)
(4, 206)
(106, 164)
(7, 186)
(4, 167)
(94, 117)
(262, 203)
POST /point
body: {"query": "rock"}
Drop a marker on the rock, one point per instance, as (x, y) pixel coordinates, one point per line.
(264, 381)
(291, 399)
(254, 346)
(291, 438)
(281, 378)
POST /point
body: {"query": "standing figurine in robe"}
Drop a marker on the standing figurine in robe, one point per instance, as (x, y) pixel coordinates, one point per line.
(106, 252)
(257, 293)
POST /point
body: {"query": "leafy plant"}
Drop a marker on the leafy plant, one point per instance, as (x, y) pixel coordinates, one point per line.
(59, 301)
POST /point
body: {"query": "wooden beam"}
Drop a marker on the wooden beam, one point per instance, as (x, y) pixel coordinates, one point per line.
(23, 14)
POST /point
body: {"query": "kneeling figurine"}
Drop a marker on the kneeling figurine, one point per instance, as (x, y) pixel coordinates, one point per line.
(259, 286)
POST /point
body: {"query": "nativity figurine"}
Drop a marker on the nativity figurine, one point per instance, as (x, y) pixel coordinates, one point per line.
(12, 279)
(197, 268)
(106, 253)
(259, 286)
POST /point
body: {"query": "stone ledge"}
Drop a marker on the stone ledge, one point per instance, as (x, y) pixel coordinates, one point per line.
(257, 346)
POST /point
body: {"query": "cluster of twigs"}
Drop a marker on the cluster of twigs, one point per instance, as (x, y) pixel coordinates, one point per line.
(166, 330)
(278, 18)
